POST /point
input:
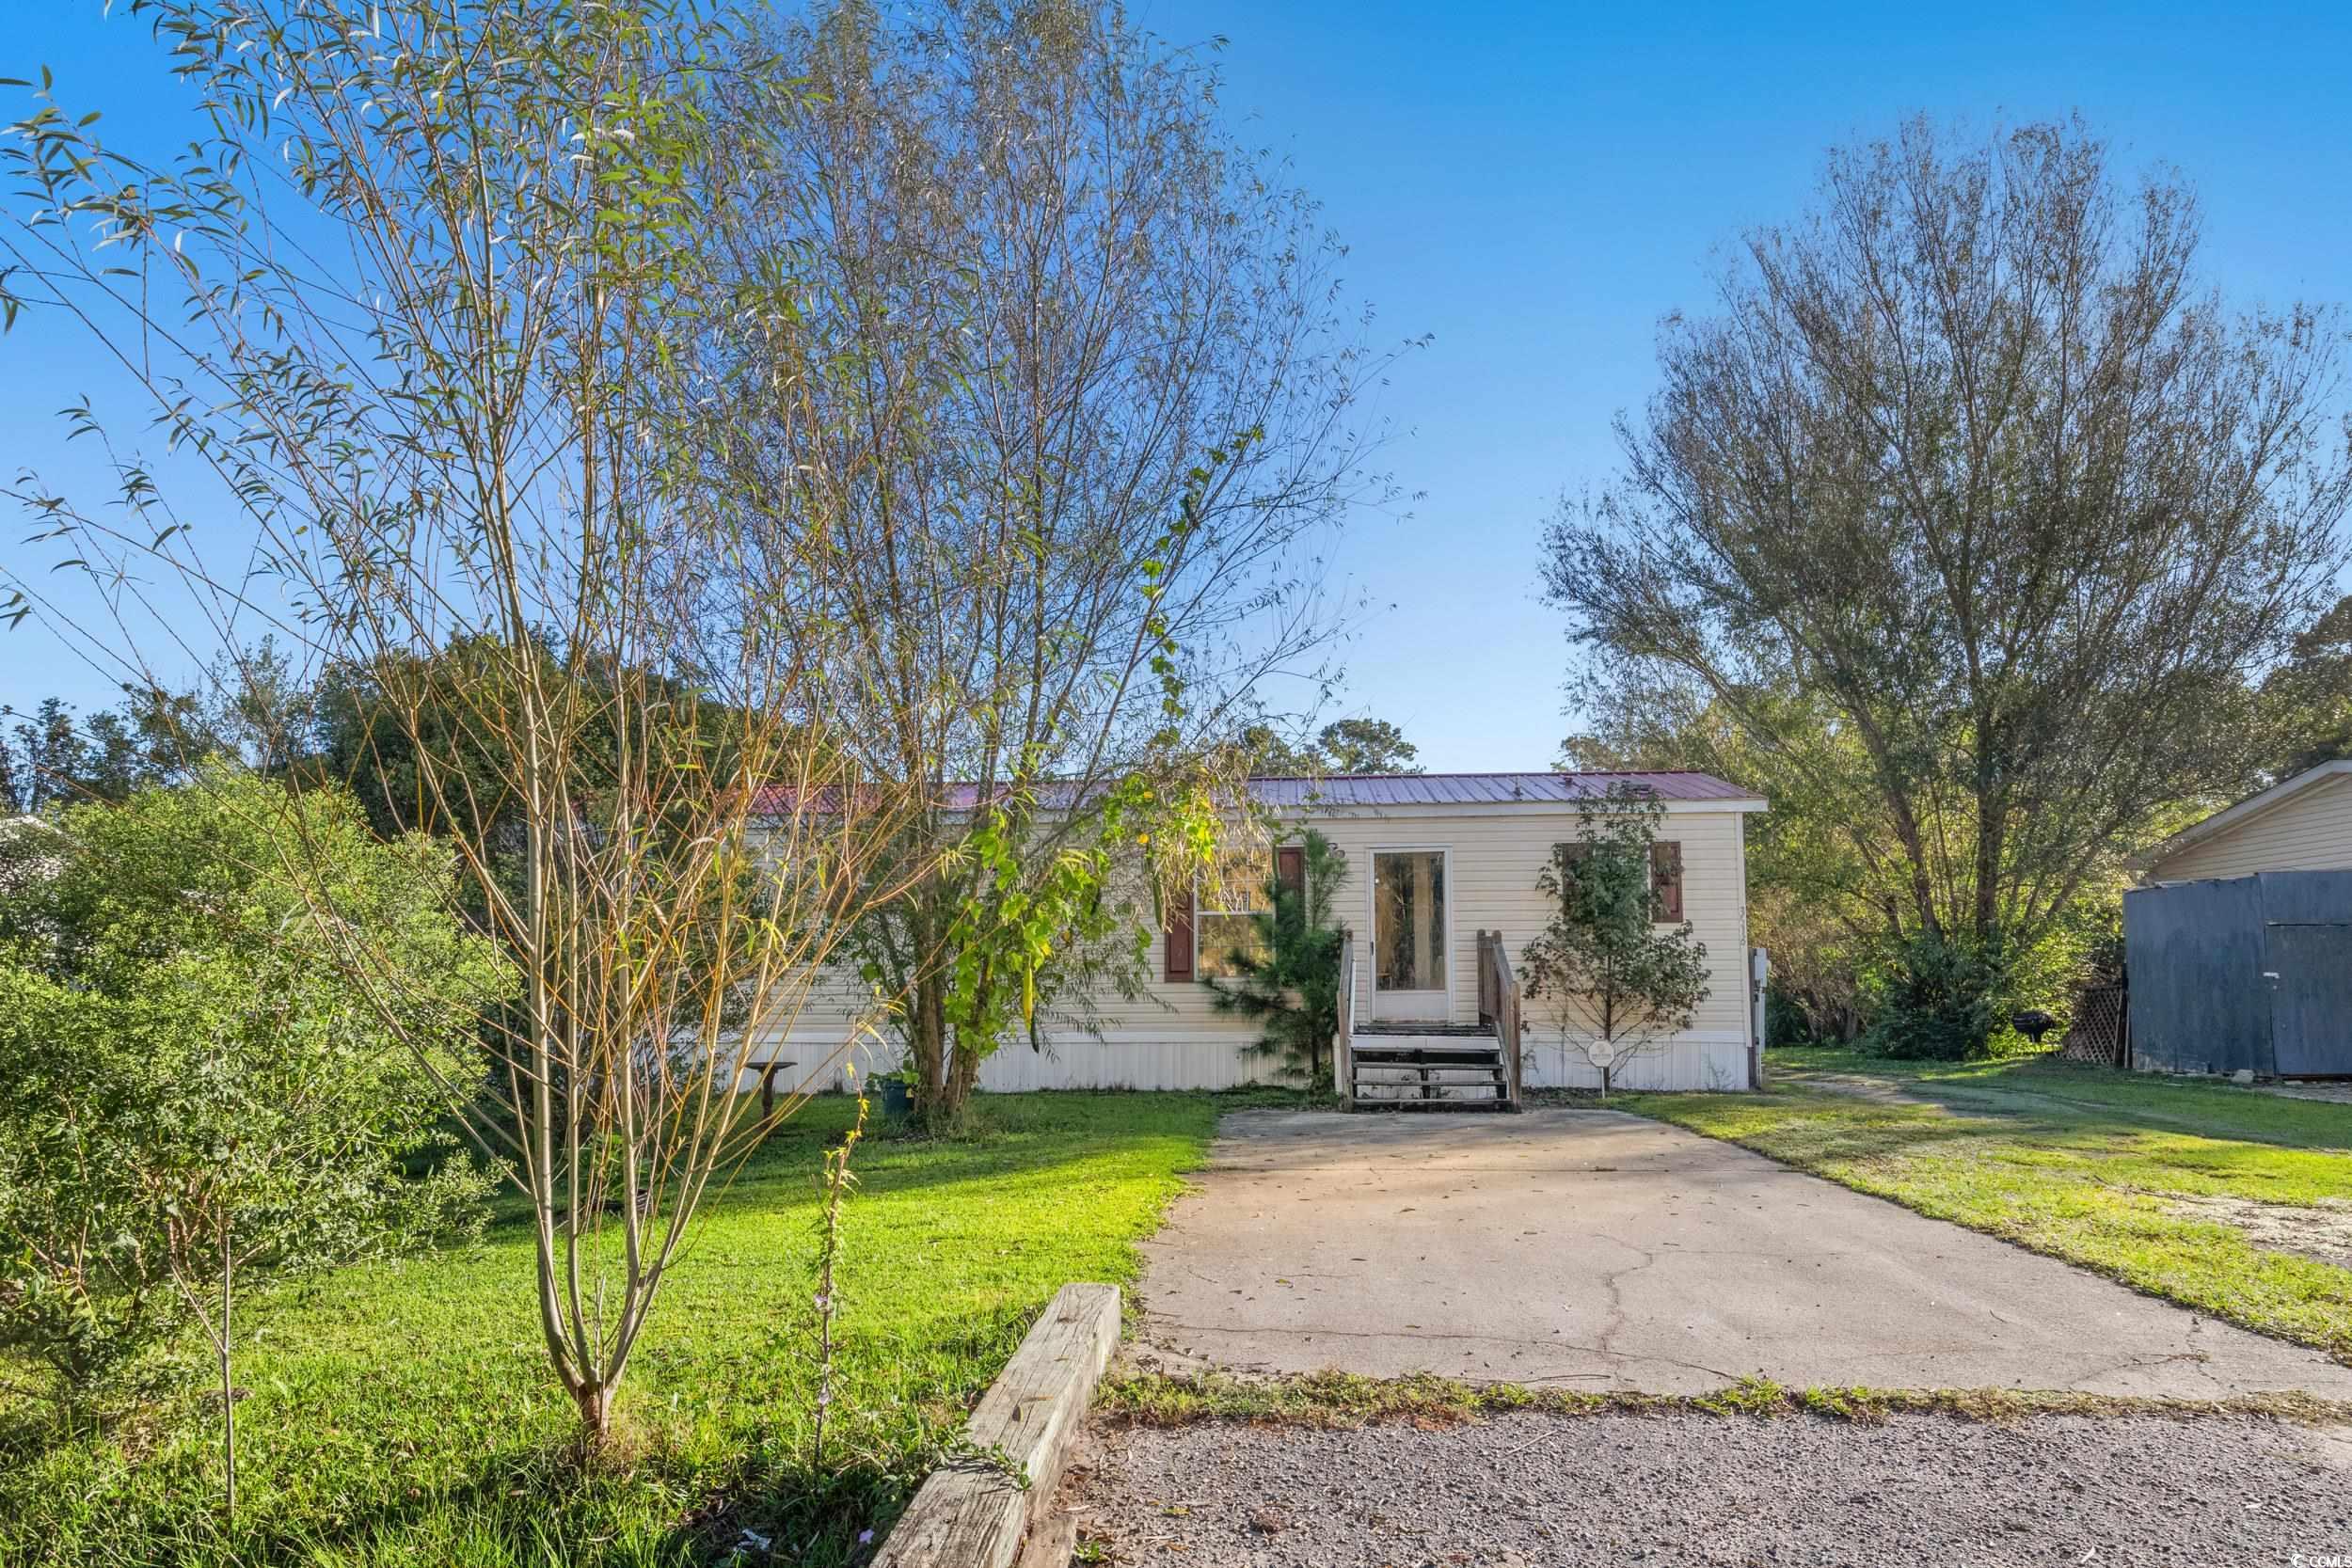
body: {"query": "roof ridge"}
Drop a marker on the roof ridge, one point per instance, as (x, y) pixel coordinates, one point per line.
(1507, 773)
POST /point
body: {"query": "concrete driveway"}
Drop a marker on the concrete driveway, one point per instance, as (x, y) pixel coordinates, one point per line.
(1589, 1249)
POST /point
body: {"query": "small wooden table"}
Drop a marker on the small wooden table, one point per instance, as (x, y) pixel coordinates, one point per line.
(768, 1071)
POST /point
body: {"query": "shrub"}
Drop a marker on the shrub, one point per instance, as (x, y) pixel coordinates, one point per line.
(187, 1090)
(1940, 1000)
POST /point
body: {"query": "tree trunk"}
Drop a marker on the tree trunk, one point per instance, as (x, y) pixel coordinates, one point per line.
(927, 1042)
(964, 1076)
(595, 1412)
(1992, 846)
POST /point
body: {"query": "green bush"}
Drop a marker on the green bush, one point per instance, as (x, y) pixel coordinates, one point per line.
(1940, 1000)
(188, 1080)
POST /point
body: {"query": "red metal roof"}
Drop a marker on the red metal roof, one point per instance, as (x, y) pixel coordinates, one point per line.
(1307, 792)
(1470, 789)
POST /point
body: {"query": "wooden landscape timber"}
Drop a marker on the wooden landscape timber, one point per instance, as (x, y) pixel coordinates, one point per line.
(976, 1512)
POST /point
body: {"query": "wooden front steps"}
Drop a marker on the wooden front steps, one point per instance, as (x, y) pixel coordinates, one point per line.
(1388, 1066)
(1432, 1067)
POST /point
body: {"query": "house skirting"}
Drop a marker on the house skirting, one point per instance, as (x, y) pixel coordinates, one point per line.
(1693, 1061)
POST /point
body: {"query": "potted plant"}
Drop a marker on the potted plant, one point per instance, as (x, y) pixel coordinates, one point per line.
(898, 1092)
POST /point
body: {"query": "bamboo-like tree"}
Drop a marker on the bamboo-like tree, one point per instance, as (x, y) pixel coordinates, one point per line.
(427, 316)
(1973, 476)
(1078, 433)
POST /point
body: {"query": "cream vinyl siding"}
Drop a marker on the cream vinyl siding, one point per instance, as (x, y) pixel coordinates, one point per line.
(1170, 1039)
(2309, 830)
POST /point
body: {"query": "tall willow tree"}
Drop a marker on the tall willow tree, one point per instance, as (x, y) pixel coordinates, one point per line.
(1076, 433)
(1975, 499)
(422, 314)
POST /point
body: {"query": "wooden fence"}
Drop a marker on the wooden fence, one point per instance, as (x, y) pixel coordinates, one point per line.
(2101, 1032)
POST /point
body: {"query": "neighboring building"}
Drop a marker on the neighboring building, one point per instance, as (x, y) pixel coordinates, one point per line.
(1434, 859)
(2300, 824)
(2239, 950)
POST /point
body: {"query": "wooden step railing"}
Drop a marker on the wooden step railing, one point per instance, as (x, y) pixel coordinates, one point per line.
(1343, 1043)
(1497, 1010)
(1499, 1004)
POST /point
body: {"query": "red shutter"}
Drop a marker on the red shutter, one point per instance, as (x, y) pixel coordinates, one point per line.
(1176, 936)
(1665, 878)
(1290, 867)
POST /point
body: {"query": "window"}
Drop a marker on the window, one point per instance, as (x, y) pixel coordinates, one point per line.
(1665, 874)
(1233, 892)
(1665, 880)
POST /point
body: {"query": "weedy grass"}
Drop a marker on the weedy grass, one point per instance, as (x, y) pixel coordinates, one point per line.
(2099, 1169)
(2213, 1106)
(403, 1414)
(1341, 1401)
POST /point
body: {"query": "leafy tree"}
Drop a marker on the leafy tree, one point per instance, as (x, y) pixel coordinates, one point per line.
(1286, 978)
(2307, 701)
(1076, 433)
(1366, 746)
(43, 747)
(1344, 746)
(190, 1099)
(1973, 478)
(51, 758)
(1613, 985)
(421, 740)
(250, 706)
(1266, 750)
(1826, 886)
(1824, 892)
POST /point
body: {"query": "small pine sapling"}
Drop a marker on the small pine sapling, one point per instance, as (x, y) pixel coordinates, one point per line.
(1286, 978)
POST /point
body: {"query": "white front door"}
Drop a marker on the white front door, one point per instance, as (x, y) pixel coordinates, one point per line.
(1408, 935)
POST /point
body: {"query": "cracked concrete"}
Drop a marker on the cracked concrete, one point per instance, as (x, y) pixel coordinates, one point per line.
(1588, 1250)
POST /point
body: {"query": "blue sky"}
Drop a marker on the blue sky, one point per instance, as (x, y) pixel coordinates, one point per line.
(1535, 186)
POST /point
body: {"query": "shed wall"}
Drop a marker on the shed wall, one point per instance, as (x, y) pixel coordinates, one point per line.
(2195, 953)
(2247, 974)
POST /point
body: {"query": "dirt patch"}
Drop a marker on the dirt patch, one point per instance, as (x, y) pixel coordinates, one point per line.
(2321, 1231)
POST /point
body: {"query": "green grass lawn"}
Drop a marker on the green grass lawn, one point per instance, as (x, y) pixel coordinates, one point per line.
(405, 1413)
(2120, 1172)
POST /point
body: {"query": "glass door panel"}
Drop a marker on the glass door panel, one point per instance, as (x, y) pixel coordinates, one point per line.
(1408, 967)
